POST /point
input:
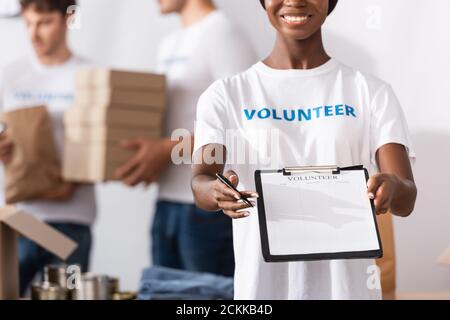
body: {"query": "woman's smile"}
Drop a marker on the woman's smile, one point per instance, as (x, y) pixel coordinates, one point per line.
(298, 19)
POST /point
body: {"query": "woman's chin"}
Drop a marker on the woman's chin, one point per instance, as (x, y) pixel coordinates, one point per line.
(298, 35)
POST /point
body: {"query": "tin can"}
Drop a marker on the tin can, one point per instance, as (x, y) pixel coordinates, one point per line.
(114, 286)
(47, 291)
(93, 287)
(56, 274)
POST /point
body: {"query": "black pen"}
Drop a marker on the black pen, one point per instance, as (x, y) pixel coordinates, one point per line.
(227, 182)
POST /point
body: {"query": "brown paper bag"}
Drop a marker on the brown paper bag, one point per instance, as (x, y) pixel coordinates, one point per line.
(34, 164)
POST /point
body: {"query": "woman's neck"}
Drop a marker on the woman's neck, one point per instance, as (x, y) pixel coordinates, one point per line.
(298, 54)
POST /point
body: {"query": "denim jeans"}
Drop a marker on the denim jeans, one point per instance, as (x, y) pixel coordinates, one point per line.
(32, 258)
(159, 283)
(188, 238)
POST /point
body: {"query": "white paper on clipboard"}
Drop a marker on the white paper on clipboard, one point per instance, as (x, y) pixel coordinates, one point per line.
(318, 215)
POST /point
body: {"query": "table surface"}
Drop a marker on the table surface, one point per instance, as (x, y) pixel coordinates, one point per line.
(442, 295)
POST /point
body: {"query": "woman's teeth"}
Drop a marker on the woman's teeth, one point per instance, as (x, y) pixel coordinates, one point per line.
(295, 19)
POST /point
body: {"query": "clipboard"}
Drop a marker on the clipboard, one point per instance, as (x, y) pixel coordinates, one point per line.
(343, 231)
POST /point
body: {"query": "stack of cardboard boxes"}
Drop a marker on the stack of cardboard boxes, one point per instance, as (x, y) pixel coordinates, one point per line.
(110, 106)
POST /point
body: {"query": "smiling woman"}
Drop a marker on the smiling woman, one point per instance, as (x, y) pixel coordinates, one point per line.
(313, 101)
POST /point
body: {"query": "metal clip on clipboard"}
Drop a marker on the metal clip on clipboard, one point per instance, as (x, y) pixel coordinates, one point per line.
(312, 169)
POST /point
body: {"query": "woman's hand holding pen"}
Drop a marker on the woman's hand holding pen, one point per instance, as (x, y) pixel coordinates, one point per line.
(230, 201)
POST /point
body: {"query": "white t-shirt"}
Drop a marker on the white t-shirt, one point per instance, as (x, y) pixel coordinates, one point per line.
(193, 58)
(26, 83)
(330, 115)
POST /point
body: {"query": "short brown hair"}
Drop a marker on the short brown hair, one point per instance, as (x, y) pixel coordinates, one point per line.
(61, 6)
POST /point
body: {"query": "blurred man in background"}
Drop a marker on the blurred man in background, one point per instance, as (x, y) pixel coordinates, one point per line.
(207, 48)
(47, 78)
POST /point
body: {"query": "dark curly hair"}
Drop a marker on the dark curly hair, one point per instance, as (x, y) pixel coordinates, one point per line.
(333, 4)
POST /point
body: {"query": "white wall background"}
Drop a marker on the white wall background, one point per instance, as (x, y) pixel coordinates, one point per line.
(405, 42)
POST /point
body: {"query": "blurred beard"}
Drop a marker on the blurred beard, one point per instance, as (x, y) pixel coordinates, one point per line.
(46, 50)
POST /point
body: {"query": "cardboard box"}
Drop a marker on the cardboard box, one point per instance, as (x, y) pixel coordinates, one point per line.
(13, 222)
(87, 173)
(107, 96)
(105, 134)
(91, 116)
(93, 78)
(93, 162)
(110, 106)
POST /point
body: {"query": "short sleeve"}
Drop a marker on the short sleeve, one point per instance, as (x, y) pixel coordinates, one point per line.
(388, 123)
(211, 121)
